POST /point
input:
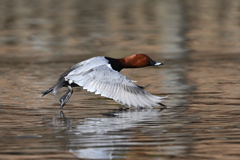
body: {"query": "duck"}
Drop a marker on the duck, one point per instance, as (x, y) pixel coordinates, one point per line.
(101, 75)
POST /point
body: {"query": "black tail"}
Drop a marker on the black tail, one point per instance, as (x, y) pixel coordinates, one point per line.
(60, 83)
(47, 91)
(55, 88)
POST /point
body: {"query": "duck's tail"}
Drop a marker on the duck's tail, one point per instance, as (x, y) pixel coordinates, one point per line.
(48, 91)
(54, 89)
(61, 82)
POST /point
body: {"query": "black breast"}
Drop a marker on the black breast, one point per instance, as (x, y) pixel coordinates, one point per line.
(115, 64)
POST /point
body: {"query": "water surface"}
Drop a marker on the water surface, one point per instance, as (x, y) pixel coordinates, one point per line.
(197, 41)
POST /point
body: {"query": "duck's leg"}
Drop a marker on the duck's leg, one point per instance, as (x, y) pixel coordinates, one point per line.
(63, 100)
(47, 91)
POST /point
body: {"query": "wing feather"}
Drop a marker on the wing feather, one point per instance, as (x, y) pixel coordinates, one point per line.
(109, 83)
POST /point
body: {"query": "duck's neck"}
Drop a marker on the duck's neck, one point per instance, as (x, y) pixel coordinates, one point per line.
(127, 62)
(115, 63)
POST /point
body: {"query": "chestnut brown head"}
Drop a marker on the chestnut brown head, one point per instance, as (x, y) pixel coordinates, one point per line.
(137, 61)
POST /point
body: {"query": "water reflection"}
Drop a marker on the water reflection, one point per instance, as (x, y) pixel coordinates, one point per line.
(119, 121)
(97, 137)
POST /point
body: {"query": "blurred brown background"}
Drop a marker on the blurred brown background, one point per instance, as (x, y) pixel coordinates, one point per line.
(198, 41)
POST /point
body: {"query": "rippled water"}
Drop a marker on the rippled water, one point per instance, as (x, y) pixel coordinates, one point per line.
(198, 41)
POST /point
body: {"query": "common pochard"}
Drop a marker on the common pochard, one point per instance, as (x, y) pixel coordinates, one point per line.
(101, 75)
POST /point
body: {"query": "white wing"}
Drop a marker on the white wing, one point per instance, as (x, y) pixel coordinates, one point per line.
(84, 66)
(112, 84)
(78, 69)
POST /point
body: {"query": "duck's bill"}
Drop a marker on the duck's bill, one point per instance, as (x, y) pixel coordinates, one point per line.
(153, 63)
(158, 64)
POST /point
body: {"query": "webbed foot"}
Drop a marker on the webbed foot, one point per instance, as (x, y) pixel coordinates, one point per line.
(63, 100)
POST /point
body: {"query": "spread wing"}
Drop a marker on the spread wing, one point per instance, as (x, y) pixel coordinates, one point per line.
(112, 84)
(77, 68)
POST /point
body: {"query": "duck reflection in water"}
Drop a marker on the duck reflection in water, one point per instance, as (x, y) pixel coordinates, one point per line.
(93, 138)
